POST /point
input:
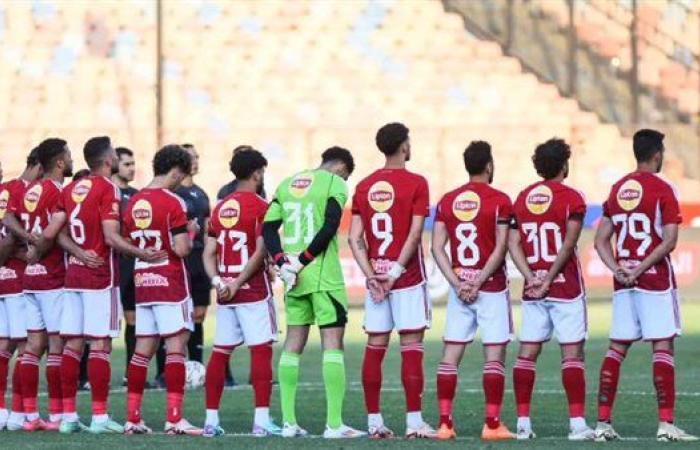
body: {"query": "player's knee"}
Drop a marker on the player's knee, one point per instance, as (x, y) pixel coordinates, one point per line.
(666, 345)
(410, 338)
(379, 339)
(530, 351)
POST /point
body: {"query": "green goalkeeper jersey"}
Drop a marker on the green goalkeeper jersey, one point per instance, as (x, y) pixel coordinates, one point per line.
(300, 203)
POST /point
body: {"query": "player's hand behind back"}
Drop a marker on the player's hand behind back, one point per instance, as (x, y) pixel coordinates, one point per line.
(152, 256)
(90, 259)
(376, 289)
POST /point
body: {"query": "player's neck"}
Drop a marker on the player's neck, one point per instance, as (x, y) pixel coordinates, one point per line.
(479, 178)
(101, 173)
(188, 182)
(159, 182)
(646, 167)
(395, 162)
(27, 176)
(246, 186)
(120, 182)
(557, 179)
(56, 177)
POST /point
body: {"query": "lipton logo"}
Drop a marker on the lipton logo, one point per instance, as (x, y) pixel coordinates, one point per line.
(32, 196)
(4, 199)
(301, 184)
(229, 213)
(381, 196)
(629, 195)
(466, 206)
(539, 199)
(142, 213)
(81, 190)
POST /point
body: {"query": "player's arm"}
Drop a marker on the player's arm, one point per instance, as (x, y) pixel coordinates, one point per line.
(114, 239)
(182, 244)
(496, 258)
(324, 236)
(88, 258)
(358, 245)
(669, 239)
(518, 255)
(573, 232)
(410, 247)
(15, 226)
(255, 263)
(442, 259)
(7, 246)
(603, 246)
(51, 232)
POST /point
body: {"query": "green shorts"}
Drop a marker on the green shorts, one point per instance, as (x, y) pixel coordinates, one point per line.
(327, 309)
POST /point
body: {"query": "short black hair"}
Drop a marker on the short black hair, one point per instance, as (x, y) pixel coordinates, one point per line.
(390, 137)
(245, 162)
(33, 157)
(170, 157)
(49, 151)
(187, 145)
(123, 151)
(95, 150)
(477, 155)
(646, 143)
(237, 149)
(550, 157)
(339, 154)
(82, 173)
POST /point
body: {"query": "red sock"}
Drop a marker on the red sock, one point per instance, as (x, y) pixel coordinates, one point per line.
(523, 382)
(53, 383)
(99, 374)
(174, 385)
(412, 375)
(4, 363)
(216, 376)
(665, 384)
(372, 376)
(17, 405)
(573, 376)
(446, 387)
(261, 374)
(30, 381)
(494, 381)
(136, 381)
(607, 386)
(70, 373)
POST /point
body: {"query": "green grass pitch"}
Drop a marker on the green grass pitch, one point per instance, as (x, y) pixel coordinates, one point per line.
(635, 412)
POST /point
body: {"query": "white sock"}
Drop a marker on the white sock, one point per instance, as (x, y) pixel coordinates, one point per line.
(375, 420)
(212, 417)
(414, 420)
(262, 417)
(577, 423)
(100, 418)
(69, 417)
(16, 417)
(55, 417)
(32, 416)
(524, 422)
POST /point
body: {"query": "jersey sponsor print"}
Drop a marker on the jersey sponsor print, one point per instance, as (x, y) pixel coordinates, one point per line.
(236, 224)
(471, 214)
(152, 218)
(386, 201)
(541, 213)
(639, 205)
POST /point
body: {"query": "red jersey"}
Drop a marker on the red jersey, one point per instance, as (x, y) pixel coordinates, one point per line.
(152, 217)
(236, 224)
(386, 201)
(11, 274)
(471, 214)
(541, 213)
(87, 202)
(639, 205)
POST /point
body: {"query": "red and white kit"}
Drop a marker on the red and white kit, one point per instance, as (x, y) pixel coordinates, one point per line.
(163, 302)
(250, 317)
(12, 301)
(386, 201)
(43, 282)
(541, 213)
(639, 205)
(471, 214)
(91, 305)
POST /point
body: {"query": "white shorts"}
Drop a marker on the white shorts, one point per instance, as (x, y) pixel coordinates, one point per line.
(645, 315)
(91, 314)
(16, 310)
(44, 311)
(542, 318)
(164, 319)
(4, 321)
(490, 313)
(249, 323)
(408, 310)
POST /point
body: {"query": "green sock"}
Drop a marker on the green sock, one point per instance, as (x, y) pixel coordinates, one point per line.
(288, 378)
(334, 379)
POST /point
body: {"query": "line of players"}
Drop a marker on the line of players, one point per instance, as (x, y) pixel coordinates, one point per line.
(477, 223)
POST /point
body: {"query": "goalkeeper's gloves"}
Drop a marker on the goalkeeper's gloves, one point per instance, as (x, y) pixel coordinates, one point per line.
(289, 271)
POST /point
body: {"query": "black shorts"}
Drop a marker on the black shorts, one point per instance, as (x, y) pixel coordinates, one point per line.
(199, 281)
(126, 285)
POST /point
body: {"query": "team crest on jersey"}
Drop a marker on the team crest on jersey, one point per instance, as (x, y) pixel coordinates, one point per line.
(229, 213)
(539, 199)
(630, 195)
(4, 199)
(142, 213)
(381, 196)
(31, 198)
(301, 184)
(81, 190)
(466, 206)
